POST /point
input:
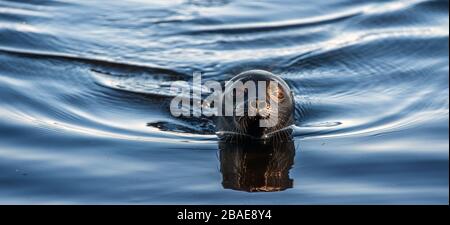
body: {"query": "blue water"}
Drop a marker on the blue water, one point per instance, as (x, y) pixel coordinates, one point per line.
(84, 101)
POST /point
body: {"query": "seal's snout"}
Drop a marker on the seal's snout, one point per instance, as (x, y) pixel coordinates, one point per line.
(254, 110)
(259, 108)
(249, 125)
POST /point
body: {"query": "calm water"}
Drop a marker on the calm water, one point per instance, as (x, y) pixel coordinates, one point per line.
(84, 101)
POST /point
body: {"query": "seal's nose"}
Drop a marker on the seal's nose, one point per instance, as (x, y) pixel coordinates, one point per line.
(257, 105)
(253, 104)
(258, 108)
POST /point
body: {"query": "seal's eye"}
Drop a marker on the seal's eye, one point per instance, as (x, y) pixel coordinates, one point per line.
(275, 93)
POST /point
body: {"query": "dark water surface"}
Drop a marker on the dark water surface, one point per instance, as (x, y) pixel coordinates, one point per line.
(84, 101)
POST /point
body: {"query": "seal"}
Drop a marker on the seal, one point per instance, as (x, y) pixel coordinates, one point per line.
(267, 115)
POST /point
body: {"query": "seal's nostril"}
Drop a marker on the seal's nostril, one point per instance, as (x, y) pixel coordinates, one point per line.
(256, 104)
(253, 104)
(262, 105)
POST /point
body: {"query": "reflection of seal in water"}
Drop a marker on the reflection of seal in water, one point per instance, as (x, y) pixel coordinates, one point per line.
(248, 126)
(256, 167)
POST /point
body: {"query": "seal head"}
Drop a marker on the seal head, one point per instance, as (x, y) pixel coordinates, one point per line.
(257, 105)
